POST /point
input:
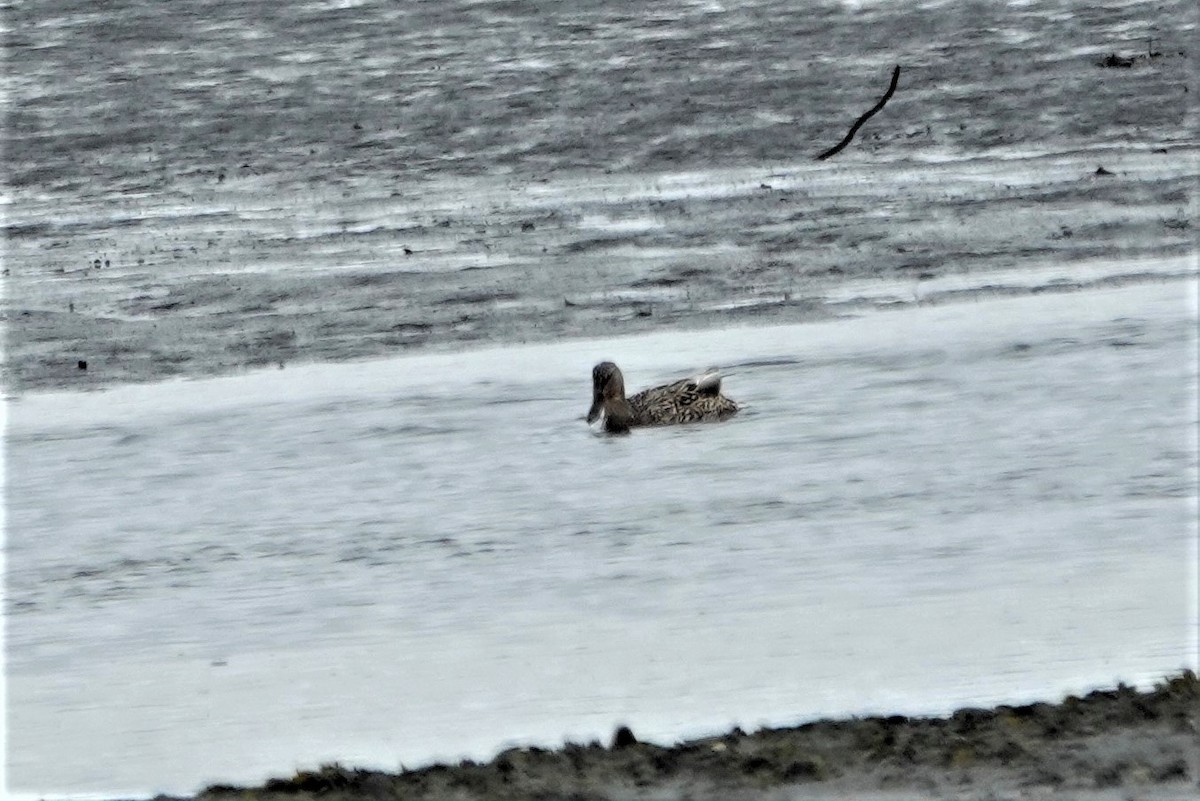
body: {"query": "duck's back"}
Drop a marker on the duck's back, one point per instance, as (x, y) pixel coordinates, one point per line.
(692, 400)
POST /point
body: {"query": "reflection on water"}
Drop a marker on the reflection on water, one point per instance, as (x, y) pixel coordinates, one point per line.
(427, 557)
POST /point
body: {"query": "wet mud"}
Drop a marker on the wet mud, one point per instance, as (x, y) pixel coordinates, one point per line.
(248, 184)
(1116, 743)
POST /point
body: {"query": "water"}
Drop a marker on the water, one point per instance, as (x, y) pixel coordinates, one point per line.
(431, 557)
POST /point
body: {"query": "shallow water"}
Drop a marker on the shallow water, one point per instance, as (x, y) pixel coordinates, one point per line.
(430, 557)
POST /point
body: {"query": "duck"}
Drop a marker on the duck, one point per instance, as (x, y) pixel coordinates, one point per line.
(690, 400)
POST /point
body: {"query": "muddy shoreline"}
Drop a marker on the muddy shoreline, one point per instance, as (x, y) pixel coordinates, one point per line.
(369, 180)
(1110, 743)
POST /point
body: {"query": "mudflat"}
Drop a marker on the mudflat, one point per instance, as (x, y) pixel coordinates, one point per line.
(229, 185)
(1109, 744)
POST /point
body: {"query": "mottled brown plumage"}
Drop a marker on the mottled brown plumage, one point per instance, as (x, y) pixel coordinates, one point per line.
(692, 400)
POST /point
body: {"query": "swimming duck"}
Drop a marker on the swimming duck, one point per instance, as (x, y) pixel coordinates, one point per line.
(692, 400)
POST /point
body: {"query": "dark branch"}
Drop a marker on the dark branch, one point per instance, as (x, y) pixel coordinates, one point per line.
(859, 122)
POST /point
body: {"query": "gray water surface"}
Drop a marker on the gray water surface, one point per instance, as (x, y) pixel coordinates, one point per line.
(432, 557)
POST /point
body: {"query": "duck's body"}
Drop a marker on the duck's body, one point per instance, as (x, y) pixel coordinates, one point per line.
(691, 400)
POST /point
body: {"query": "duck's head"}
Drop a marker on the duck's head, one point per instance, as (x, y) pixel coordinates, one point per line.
(608, 398)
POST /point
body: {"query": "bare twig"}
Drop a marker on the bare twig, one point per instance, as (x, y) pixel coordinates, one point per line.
(859, 122)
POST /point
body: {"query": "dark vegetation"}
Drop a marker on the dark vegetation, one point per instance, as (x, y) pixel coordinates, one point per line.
(1114, 737)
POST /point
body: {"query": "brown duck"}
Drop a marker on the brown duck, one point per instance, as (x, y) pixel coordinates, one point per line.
(691, 400)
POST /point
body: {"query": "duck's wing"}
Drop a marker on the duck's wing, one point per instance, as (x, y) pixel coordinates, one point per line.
(686, 400)
(659, 405)
(706, 383)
